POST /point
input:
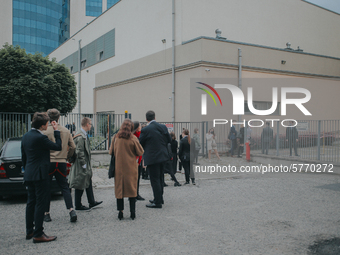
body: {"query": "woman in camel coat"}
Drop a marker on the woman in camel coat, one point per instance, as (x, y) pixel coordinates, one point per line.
(126, 147)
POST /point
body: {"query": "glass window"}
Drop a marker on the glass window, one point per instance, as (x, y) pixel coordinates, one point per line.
(93, 8)
(111, 2)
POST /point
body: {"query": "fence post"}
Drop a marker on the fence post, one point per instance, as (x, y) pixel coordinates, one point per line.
(319, 137)
(29, 122)
(109, 138)
(203, 138)
(277, 138)
(206, 148)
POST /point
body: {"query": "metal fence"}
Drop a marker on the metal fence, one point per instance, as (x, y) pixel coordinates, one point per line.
(317, 139)
(17, 124)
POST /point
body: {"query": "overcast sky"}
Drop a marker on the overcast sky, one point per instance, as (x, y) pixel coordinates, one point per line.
(333, 5)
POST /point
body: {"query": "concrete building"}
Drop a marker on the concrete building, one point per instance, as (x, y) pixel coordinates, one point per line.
(142, 55)
(43, 25)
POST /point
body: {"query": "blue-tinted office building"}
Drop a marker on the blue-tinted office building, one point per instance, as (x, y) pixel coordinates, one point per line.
(40, 25)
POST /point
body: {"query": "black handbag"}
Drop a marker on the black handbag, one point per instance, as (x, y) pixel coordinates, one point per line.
(112, 167)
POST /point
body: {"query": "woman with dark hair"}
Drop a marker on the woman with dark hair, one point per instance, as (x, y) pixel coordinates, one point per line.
(136, 131)
(126, 148)
(184, 155)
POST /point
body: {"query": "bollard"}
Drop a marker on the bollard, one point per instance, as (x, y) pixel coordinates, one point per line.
(247, 151)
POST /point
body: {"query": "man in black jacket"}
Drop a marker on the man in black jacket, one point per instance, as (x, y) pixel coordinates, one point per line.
(35, 149)
(154, 138)
(292, 136)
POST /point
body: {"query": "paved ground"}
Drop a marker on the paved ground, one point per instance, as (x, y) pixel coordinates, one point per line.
(226, 213)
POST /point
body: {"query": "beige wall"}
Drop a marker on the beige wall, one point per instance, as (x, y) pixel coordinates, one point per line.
(263, 72)
(6, 22)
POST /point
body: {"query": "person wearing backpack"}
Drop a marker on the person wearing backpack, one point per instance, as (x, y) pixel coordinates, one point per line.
(80, 177)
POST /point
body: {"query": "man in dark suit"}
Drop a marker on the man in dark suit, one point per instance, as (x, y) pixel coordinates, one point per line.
(35, 149)
(266, 138)
(292, 136)
(154, 138)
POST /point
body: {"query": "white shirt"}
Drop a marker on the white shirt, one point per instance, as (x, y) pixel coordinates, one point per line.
(151, 121)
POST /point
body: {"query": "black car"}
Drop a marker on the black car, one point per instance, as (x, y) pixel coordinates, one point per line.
(11, 172)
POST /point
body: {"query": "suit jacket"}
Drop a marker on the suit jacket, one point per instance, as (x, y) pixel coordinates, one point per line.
(292, 133)
(35, 150)
(184, 150)
(79, 178)
(267, 135)
(154, 138)
(68, 146)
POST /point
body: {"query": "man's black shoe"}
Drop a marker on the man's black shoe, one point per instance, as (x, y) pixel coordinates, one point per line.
(83, 208)
(177, 184)
(152, 202)
(186, 183)
(47, 218)
(95, 204)
(29, 236)
(154, 206)
(140, 198)
(73, 216)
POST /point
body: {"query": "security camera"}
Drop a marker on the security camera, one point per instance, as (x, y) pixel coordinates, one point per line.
(207, 69)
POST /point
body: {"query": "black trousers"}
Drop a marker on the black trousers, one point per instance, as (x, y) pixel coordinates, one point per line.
(132, 201)
(240, 150)
(196, 156)
(292, 143)
(186, 166)
(62, 182)
(140, 169)
(36, 205)
(157, 181)
(233, 146)
(78, 194)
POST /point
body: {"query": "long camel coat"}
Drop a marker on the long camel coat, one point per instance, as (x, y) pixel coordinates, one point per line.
(126, 173)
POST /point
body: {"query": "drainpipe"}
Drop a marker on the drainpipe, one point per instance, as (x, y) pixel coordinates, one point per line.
(79, 84)
(240, 87)
(173, 60)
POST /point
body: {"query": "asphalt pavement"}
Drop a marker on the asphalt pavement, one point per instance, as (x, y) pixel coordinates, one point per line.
(225, 213)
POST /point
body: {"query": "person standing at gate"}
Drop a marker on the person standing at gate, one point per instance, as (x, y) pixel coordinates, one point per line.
(81, 171)
(211, 143)
(292, 137)
(240, 139)
(58, 164)
(154, 138)
(196, 139)
(232, 138)
(266, 138)
(35, 155)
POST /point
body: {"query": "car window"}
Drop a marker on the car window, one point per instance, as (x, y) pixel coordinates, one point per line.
(13, 149)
